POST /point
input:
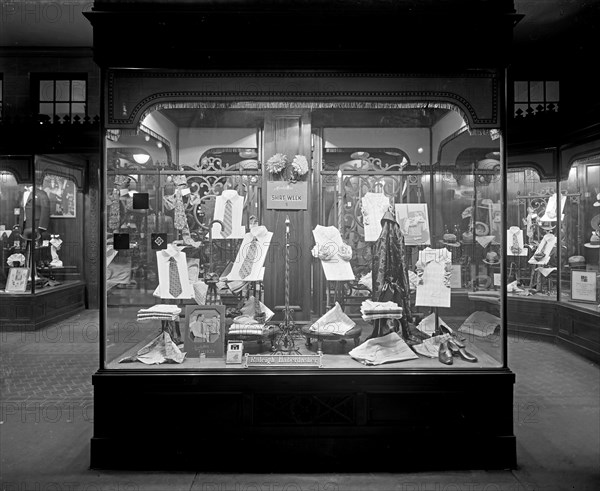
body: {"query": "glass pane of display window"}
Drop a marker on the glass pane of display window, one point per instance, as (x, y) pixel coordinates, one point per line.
(78, 90)
(532, 235)
(580, 272)
(333, 238)
(46, 90)
(62, 90)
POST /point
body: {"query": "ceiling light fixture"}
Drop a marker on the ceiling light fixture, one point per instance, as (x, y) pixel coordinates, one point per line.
(141, 158)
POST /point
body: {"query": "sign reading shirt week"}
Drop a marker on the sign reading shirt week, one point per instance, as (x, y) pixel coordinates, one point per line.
(283, 195)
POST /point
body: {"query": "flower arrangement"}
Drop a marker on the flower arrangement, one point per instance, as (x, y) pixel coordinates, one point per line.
(279, 164)
(276, 163)
(300, 165)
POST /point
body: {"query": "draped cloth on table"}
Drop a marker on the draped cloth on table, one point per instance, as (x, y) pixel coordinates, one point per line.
(390, 277)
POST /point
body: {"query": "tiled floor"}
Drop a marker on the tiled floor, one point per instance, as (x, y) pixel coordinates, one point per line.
(47, 422)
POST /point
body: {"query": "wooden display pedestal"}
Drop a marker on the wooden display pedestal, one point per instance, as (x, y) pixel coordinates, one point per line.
(28, 312)
(304, 421)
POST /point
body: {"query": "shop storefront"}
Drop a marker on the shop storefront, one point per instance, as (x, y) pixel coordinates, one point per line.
(305, 238)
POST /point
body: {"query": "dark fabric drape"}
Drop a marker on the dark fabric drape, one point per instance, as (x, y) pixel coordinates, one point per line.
(390, 277)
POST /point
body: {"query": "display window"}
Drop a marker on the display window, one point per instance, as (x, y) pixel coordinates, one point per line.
(581, 243)
(41, 206)
(311, 234)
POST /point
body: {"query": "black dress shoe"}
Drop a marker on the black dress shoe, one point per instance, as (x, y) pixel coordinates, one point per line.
(445, 355)
(457, 342)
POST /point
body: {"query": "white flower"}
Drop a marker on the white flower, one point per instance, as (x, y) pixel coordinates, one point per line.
(276, 163)
(300, 164)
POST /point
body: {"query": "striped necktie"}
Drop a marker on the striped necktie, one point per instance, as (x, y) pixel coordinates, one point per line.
(174, 281)
(227, 219)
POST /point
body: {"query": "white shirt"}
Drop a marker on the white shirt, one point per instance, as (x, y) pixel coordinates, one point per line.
(263, 237)
(335, 269)
(550, 213)
(374, 206)
(543, 250)
(433, 292)
(237, 206)
(162, 260)
(512, 233)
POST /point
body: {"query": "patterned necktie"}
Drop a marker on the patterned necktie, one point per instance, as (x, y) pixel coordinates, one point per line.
(114, 218)
(174, 282)
(179, 219)
(515, 245)
(227, 219)
(251, 256)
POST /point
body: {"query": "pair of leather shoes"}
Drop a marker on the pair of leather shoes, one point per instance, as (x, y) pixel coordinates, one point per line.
(451, 348)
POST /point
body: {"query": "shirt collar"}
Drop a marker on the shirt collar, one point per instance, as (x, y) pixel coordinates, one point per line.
(259, 231)
(171, 251)
(325, 234)
(230, 194)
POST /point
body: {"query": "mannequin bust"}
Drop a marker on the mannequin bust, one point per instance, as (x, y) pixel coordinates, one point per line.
(42, 210)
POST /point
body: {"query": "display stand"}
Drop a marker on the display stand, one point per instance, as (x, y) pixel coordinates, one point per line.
(354, 333)
(288, 330)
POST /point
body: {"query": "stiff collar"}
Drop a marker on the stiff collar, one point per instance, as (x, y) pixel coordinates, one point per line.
(231, 194)
(171, 251)
(327, 234)
(259, 232)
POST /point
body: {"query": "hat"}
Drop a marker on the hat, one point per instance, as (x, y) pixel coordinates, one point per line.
(488, 164)
(248, 153)
(594, 242)
(492, 258)
(575, 261)
(450, 240)
(359, 156)
(481, 228)
(28, 233)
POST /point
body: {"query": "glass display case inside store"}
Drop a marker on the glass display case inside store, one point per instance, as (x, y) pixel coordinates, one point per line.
(558, 256)
(215, 215)
(41, 212)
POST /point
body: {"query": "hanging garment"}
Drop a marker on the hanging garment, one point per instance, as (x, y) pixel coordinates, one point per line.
(229, 207)
(374, 206)
(390, 278)
(251, 255)
(434, 269)
(169, 282)
(333, 253)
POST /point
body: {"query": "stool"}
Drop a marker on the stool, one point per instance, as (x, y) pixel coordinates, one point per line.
(353, 333)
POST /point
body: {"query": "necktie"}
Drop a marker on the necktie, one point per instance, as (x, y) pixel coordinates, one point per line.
(251, 256)
(179, 219)
(174, 282)
(515, 245)
(227, 219)
(113, 211)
